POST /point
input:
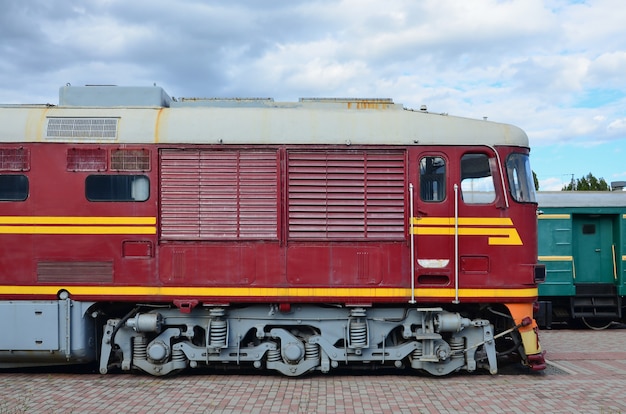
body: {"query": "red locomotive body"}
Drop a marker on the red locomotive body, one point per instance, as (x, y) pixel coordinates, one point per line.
(288, 236)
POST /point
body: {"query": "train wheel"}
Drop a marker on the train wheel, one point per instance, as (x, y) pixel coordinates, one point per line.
(597, 324)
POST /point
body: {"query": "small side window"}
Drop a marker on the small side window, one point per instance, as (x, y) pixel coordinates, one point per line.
(432, 179)
(13, 187)
(521, 181)
(117, 188)
(476, 181)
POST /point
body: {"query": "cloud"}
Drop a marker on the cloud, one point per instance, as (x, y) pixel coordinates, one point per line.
(553, 67)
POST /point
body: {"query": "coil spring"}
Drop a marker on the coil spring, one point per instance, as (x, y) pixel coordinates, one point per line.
(218, 333)
(140, 346)
(417, 353)
(456, 347)
(358, 334)
(178, 355)
(273, 355)
(311, 351)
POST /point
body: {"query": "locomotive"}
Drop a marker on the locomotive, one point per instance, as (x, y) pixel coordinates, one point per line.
(583, 246)
(151, 234)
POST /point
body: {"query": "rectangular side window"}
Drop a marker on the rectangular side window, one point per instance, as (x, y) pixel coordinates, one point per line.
(117, 188)
(13, 187)
(432, 179)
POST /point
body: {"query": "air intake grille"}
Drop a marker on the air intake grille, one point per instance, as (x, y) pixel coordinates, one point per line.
(14, 159)
(346, 195)
(82, 128)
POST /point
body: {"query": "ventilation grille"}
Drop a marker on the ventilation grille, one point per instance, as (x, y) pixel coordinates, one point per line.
(346, 195)
(219, 195)
(130, 160)
(14, 159)
(93, 159)
(82, 128)
(76, 272)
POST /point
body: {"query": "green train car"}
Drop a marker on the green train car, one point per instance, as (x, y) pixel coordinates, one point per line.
(582, 243)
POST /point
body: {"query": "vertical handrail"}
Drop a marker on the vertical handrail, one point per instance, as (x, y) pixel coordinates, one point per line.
(614, 262)
(412, 243)
(456, 243)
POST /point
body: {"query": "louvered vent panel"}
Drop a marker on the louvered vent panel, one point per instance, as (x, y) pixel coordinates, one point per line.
(82, 128)
(180, 197)
(346, 195)
(14, 159)
(219, 194)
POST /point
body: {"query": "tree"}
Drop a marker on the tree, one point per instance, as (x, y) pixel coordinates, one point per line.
(587, 183)
(536, 180)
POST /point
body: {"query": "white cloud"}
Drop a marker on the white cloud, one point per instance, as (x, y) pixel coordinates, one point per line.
(551, 184)
(553, 67)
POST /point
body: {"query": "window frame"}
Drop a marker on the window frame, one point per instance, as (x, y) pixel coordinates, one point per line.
(23, 191)
(127, 190)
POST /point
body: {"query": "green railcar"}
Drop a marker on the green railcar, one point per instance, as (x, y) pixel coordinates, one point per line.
(582, 243)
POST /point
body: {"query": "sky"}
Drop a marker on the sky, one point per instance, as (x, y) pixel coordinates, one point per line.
(555, 68)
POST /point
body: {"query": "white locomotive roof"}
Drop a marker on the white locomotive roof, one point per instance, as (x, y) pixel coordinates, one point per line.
(110, 114)
(581, 198)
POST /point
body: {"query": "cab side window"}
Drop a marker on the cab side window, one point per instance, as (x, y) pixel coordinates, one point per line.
(477, 185)
(432, 179)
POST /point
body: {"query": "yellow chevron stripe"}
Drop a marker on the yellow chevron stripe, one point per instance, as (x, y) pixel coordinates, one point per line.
(500, 231)
(122, 291)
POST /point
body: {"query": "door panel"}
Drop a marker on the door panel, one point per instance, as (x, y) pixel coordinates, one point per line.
(593, 243)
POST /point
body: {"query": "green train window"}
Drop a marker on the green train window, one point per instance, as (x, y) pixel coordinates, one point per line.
(589, 229)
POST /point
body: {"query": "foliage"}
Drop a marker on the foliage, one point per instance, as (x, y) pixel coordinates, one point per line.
(587, 183)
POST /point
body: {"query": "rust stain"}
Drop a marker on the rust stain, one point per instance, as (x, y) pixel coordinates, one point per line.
(36, 124)
(157, 125)
(367, 104)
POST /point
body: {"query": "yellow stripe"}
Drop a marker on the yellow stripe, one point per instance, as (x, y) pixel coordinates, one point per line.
(76, 230)
(556, 258)
(501, 234)
(76, 225)
(554, 216)
(30, 220)
(463, 221)
(122, 291)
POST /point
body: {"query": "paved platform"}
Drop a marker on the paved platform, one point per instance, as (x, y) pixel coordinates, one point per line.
(586, 374)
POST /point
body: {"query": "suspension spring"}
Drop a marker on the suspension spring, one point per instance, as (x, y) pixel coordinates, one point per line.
(457, 346)
(140, 345)
(417, 353)
(311, 351)
(273, 355)
(218, 329)
(178, 355)
(358, 334)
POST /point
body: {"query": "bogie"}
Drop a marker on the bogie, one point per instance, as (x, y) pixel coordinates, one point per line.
(306, 339)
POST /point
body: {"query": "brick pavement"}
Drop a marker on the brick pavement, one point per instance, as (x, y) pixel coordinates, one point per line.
(587, 374)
